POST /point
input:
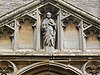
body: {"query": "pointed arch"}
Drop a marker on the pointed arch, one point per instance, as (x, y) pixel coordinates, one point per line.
(52, 64)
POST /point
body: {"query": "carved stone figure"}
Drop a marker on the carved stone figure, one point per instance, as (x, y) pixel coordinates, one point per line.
(48, 31)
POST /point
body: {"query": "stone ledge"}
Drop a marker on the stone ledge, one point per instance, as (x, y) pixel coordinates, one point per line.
(50, 54)
(56, 52)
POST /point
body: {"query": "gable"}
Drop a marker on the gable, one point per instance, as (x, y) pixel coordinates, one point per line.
(74, 27)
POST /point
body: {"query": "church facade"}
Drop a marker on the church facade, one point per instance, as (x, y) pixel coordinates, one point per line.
(49, 37)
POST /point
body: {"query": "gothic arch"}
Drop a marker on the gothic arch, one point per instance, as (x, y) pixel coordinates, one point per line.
(52, 64)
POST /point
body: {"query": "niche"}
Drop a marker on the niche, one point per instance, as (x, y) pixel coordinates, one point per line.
(44, 10)
(92, 39)
(6, 37)
(26, 33)
(71, 33)
(93, 42)
(71, 37)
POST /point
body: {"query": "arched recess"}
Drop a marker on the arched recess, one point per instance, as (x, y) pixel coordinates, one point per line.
(92, 37)
(26, 32)
(93, 42)
(49, 67)
(71, 31)
(6, 37)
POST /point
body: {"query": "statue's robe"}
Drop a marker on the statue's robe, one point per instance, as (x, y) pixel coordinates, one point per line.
(48, 31)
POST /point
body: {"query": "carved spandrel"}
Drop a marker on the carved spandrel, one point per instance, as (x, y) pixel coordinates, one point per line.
(86, 26)
(11, 24)
(64, 14)
(33, 14)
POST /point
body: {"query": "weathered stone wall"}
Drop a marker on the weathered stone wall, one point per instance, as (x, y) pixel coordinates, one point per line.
(91, 6)
(9, 5)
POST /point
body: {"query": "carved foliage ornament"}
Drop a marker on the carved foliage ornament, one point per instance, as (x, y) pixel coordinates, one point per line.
(92, 68)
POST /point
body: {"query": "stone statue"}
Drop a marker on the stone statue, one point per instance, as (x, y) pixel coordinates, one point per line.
(48, 31)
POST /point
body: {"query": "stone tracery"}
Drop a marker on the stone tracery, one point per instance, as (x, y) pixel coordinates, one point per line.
(7, 67)
(91, 68)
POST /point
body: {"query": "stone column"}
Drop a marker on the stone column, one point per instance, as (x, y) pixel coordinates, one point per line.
(37, 32)
(16, 35)
(82, 38)
(59, 31)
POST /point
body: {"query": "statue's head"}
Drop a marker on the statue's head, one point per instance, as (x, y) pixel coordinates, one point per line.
(48, 15)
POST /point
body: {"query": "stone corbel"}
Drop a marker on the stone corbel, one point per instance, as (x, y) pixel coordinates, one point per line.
(87, 26)
(62, 24)
(34, 25)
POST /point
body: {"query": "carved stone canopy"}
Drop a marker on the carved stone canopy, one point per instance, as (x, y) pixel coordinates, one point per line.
(49, 8)
(70, 19)
(26, 18)
(92, 30)
(6, 30)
